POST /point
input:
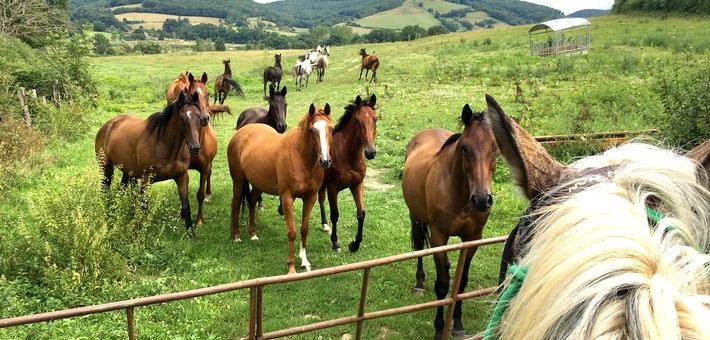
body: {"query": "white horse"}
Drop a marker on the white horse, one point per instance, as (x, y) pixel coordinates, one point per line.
(301, 70)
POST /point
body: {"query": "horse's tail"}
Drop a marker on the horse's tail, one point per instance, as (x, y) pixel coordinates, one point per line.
(246, 193)
(237, 89)
(420, 235)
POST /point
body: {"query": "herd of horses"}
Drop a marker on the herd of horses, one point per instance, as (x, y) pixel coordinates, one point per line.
(611, 246)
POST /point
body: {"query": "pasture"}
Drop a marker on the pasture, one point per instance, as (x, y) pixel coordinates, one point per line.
(156, 20)
(407, 14)
(56, 249)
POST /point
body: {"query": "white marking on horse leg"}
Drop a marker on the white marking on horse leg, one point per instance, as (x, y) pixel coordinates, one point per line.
(304, 260)
(239, 239)
(254, 238)
(327, 229)
(320, 126)
(208, 197)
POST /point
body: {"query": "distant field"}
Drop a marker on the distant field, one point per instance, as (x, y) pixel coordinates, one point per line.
(155, 20)
(474, 17)
(129, 6)
(441, 6)
(407, 14)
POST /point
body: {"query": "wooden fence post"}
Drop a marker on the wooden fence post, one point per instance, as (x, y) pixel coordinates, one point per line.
(56, 95)
(23, 105)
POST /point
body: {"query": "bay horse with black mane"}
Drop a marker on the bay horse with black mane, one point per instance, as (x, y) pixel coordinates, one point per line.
(446, 183)
(612, 246)
(273, 74)
(353, 143)
(274, 116)
(290, 166)
(154, 149)
(368, 62)
(224, 83)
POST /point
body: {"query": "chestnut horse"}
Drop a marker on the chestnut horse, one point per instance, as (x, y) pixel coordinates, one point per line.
(353, 142)
(446, 184)
(289, 165)
(368, 62)
(208, 139)
(274, 73)
(612, 246)
(224, 83)
(154, 149)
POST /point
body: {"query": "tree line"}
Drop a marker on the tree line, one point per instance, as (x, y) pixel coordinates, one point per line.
(696, 7)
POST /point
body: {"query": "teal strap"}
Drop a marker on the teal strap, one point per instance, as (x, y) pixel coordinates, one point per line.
(656, 217)
(508, 294)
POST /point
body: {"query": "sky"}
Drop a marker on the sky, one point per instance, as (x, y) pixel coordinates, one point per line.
(566, 6)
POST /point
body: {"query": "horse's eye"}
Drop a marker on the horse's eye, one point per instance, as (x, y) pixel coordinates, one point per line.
(465, 148)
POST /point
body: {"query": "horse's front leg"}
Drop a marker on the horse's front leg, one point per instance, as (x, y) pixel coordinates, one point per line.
(183, 185)
(441, 287)
(361, 75)
(308, 203)
(204, 176)
(358, 193)
(458, 330)
(287, 204)
(321, 204)
(334, 216)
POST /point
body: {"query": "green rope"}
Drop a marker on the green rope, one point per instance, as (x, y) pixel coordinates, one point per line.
(508, 294)
(656, 217)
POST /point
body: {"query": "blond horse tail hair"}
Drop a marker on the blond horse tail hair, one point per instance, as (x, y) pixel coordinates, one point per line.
(624, 258)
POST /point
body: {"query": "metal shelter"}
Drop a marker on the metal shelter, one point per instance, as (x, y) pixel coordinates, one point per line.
(560, 36)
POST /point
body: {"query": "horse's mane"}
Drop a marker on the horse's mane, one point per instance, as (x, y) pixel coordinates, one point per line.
(350, 110)
(306, 119)
(599, 265)
(453, 138)
(160, 119)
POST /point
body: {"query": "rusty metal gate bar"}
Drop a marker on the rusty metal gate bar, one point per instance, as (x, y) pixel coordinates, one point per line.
(256, 287)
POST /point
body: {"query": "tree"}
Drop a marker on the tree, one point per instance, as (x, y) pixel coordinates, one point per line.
(411, 32)
(320, 34)
(102, 45)
(341, 35)
(219, 44)
(32, 21)
(437, 30)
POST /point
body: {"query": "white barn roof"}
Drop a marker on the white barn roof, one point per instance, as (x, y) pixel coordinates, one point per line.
(561, 24)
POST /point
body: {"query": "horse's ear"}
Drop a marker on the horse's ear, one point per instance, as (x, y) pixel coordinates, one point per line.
(466, 115)
(701, 154)
(358, 100)
(311, 110)
(283, 91)
(190, 77)
(532, 167)
(326, 109)
(181, 97)
(271, 91)
(195, 97)
(204, 77)
(373, 100)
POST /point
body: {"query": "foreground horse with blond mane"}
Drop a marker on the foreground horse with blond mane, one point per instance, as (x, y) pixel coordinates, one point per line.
(613, 246)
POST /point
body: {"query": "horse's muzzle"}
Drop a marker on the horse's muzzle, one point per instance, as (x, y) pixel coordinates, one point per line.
(482, 203)
(325, 162)
(281, 127)
(370, 153)
(195, 149)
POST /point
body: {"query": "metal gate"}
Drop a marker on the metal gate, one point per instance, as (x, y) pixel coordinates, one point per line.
(256, 290)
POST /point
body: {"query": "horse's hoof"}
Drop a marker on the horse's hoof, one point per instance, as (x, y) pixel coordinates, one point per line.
(337, 249)
(238, 239)
(261, 208)
(326, 228)
(306, 268)
(458, 334)
(416, 291)
(191, 233)
(199, 224)
(354, 246)
(254, 238)
(207, 198)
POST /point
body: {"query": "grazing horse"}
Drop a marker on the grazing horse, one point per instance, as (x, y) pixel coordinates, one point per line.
(353, 142)
(180, 84)
(154, 149)
(289, 165)
(369, 62)
(274, 73)
(612, 246)
(224, 83)
(302, 70)
(321, 65)
(446, 184)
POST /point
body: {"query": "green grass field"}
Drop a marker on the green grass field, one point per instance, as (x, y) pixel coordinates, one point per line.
(407, 14)
(422, 84)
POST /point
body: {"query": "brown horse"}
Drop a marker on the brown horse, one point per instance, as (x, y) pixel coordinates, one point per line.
(180, 84)
(208, 140)
(154, 149)
(353, 142)
(274, 73)
(224, 83)
(369, 62)
(446, 184)
(290, 166)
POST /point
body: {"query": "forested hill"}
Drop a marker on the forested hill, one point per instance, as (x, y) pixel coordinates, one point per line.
(330, 12)
(513, 12)
(667, 6)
